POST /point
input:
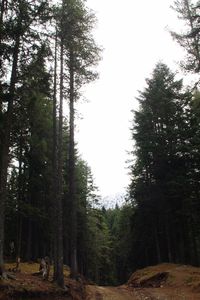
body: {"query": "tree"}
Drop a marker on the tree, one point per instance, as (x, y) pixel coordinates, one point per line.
(58, 162)
(190, 40)
(159, 186)
(189, 12)
(32, 135)
(81, 54)
(29, 121)
(18, 30)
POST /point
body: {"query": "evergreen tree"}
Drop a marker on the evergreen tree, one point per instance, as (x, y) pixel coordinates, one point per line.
(159, 176)
(17, 31)
(32, 140)
(189, 12)
(38, 159)
(81, 54)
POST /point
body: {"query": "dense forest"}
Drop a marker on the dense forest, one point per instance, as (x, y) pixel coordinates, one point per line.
(49, 204)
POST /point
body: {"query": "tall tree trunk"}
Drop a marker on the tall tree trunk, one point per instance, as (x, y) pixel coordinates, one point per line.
(194, 247)
(19, 236)
(2, 12)
(157, 245)
(72, 191)
(146, 256)
(186, 225)
(36, 238)
(169, 253)
(2, 176)
(60, 278)
(20, 193)
(55, 163)
(29, 241)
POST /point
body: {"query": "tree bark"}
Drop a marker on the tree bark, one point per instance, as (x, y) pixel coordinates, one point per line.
(194, 247)
(72, 188)
(157, 245)
(19, 237)
(3, 9)
(29, 242)
(54, 163)
(20, 193)
(169, 252)
(60, 277)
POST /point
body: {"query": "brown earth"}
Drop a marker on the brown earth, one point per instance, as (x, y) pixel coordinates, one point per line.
(116, 293)
(168, 282)
(26, 286)
(123, 293)
(162, 282)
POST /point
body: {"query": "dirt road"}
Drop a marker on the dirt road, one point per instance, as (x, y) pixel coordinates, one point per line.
(123, 293)
(116, 293)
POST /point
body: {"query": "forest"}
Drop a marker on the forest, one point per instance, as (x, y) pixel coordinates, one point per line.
(49, 203)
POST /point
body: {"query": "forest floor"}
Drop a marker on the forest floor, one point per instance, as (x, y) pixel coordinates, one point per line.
(161, 282)
(27, 286)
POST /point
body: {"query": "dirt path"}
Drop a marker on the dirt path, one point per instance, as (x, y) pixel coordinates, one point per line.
(116, 293)
(123, 293)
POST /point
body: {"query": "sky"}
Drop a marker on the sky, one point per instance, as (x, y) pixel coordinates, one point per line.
(134, 36)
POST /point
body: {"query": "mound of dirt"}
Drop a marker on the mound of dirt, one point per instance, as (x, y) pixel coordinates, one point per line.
(167, 275)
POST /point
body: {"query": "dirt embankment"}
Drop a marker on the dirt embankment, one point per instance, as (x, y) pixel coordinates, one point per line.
(168, 281)
(27, 286)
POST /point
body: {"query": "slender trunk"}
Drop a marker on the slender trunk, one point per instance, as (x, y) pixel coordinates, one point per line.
(72, 193)
(29, 241)
(36, 238)
(3, 9)
(186, 225)
(169, 253)
(54, 162)
(60, 279)
(3, 4)
(3, 182)
(19, 235)
(66, 248)
(146, 256)
(181, 256)
(31, 198)
(194, 246)
(157, 245)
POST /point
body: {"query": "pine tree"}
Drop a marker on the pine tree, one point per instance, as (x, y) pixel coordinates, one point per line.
(16, 33)
(81, 54)
(190, 38)
(159, 176)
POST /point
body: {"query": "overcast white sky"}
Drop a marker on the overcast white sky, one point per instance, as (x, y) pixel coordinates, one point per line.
(134, 37)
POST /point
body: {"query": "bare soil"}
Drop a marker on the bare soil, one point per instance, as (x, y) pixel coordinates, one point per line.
(123, 293)
(26, 286)
(108, 293)
(162, 282)
(167, 282)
